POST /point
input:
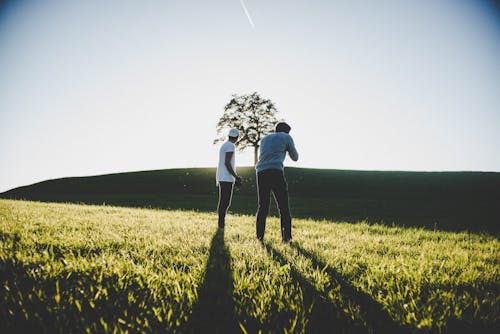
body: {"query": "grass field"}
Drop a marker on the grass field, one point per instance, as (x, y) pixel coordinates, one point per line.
(70, 268)
(451, 201)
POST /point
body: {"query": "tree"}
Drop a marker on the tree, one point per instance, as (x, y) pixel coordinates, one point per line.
(252, 115)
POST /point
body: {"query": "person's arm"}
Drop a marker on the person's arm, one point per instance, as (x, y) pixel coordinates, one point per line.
(292, 151)
(227, 163)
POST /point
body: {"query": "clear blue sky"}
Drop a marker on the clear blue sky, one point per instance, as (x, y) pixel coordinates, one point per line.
(92, 87)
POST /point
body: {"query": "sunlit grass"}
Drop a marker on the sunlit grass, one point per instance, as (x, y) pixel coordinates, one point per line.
(107, 269)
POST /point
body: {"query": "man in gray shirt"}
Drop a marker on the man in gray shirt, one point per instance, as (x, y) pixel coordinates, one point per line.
(271, 177)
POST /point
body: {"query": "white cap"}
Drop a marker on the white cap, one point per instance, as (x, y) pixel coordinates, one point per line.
(234, 133)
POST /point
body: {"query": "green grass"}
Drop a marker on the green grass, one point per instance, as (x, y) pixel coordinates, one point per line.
(101, 269)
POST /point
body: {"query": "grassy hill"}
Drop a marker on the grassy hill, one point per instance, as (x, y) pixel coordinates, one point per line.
(68, 268)
(436, 200)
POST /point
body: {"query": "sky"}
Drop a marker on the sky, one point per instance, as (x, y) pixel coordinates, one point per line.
(101, 86)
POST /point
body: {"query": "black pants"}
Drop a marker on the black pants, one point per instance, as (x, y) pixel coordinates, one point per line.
(267, 181)
(225, 194)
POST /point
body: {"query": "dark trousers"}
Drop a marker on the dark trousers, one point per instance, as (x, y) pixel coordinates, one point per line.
(225, 194)
(267, 181)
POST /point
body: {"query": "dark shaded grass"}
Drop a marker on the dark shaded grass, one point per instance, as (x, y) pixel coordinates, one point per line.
(29, 306)
(377, 319)
(214, 311)
(324, 316)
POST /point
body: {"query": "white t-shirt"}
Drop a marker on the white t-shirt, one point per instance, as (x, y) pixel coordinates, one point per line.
(222, 172)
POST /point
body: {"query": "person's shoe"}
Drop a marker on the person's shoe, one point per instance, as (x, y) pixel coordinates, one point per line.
(287, 241)
(261, 240)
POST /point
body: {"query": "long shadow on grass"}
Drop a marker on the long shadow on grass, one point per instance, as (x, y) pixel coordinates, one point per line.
(324, 316)
(214, 310)
(376, 318)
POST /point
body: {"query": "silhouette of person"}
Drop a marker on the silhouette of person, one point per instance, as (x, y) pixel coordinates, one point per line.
(226, 174)
(271, 177)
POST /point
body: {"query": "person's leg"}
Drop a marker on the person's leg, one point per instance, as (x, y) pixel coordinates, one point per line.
(280, 191)
(225, 193)
(264, 193)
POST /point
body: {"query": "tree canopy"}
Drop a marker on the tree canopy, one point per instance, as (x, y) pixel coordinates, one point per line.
(252, 115)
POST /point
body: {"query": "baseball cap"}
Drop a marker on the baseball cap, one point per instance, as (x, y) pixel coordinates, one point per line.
(234, 133)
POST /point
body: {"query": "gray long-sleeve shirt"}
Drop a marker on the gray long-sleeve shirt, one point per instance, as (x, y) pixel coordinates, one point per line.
(273, 148)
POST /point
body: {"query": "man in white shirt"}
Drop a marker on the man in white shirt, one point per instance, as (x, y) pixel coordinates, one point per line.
(226, 174)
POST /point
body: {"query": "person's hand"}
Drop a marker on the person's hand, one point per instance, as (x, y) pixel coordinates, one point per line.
(237, 182)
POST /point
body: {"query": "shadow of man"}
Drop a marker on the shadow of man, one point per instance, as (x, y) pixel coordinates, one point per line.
(376, 318)
(214, 310)
(323, 316)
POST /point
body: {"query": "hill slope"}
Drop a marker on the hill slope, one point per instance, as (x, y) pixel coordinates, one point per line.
(443, 200)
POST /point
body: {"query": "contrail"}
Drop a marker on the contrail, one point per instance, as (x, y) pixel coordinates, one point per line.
(248, 14)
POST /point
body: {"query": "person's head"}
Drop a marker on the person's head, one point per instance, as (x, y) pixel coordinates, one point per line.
(282, 127)
(233, 135)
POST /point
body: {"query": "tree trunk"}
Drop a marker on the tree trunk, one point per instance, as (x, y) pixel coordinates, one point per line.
(255, 154)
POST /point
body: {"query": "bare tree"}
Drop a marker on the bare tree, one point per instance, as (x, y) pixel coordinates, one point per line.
(252, 115)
